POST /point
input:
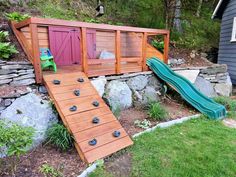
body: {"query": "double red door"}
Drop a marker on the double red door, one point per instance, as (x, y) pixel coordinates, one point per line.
(65, 45)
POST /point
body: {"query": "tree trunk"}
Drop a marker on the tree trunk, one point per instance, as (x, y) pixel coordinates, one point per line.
(177, 21)
(199, 8)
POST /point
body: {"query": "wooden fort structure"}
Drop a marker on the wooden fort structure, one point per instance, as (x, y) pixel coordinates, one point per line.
(76, 47)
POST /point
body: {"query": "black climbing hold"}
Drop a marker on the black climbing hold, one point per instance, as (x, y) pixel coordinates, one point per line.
(56, 82)
(96, 103)
(80, 80)
(73, 108)
(77, 92)
(95, 120)
(116, 133)
(92, 142)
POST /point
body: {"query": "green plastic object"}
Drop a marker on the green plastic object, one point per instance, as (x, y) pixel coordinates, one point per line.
(47, 60)
(187, 90)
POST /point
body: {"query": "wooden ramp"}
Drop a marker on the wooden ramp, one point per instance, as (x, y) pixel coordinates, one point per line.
(81, 122)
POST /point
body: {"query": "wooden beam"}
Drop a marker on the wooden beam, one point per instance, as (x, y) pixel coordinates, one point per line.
(84, 51)
(118, 44)
(36, 52)
(23, 41)
(23, 23)
(48, 21)
(144, 51)
(166, 47)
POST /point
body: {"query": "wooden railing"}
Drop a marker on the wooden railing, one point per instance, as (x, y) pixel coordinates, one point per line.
(34, 56)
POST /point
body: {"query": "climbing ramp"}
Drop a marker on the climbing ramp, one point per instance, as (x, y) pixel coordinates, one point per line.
(96, 130)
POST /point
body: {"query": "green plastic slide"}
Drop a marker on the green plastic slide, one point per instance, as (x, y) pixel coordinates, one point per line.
(187, 90)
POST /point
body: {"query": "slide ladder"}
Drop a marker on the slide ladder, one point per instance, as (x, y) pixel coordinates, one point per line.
(96, 131)
(187, 90)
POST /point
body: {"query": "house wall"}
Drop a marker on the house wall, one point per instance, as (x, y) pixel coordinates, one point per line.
(227, 49)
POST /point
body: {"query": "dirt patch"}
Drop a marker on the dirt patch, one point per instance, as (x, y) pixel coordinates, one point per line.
(69, 162)
(185, 54)
(229, 123)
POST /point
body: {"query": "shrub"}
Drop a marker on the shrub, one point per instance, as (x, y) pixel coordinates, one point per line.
(59, 136)
(158, 45)
(49, 171)
(7, 50)
(229, 104)
(15, 140)
(4, 36)
(15, 16)
(156, 111)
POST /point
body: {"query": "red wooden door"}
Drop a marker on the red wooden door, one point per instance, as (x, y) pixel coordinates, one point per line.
(91, 43)
(65, 45)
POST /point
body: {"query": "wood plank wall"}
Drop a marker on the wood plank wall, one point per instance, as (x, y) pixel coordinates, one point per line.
(131, 43)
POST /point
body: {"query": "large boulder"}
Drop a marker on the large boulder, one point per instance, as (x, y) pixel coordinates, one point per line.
(31, 110)
(99, 84)
(191, 75)
(224, 89)
(138, 82)
(118, 95)
(205, 87)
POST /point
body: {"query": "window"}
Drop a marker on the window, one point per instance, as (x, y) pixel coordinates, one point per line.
(233, 37)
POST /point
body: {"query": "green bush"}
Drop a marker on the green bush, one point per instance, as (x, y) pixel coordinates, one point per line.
(229, 104)
(4, 36)
(7, 50)
(158, 45)
(49, 171)
(15, 140)
(15, 16)
(59, 136)
(157, 111)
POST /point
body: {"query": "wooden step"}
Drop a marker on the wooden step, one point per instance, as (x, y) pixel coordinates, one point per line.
(80, 122)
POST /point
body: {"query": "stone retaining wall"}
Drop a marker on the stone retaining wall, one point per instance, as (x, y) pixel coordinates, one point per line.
(15, 79)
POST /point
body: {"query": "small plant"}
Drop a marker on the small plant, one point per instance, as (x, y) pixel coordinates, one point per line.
(144, 124)
(15, 16)
(229, 104)
(48, 171)
(4, 36)
(156, 111)
(158, 44)
(59, 136)
(15, 140)
(6, 50)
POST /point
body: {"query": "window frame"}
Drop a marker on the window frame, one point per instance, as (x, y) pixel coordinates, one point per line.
(233, 35)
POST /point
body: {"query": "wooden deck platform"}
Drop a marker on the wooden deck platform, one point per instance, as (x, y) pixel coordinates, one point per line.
(79, 122)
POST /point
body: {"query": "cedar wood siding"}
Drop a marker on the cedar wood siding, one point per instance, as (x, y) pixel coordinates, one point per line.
(227, 49)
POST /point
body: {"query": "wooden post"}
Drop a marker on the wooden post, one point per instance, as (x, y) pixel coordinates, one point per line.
(118, 44)
(144, 51)
(166, 46)
(84, 51)
(36, 52)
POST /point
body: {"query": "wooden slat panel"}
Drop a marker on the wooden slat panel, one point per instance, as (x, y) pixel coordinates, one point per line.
(102, 140)
(83, 104)
(83, 125)
(80, 117)
(107, 149)
(100, 61)
(97, 131)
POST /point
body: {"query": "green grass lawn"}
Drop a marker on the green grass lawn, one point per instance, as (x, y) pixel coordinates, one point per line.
(197, 148)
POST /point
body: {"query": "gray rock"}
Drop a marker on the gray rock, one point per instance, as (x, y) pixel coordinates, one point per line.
(8, 76)
(22, 82)
(224, 89)
(2, 62)
(99, 84)
(214, 69)
(191, 75)
(204, 55)
(30, 110)
(6, 71)
(138, 82)
(118, 95)
(27, 76)
(5, 81)
(17, 67)
(7, 102)
(149, 95)
(205, 87)
(42, 89)
(18, 63)
(154, 82)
